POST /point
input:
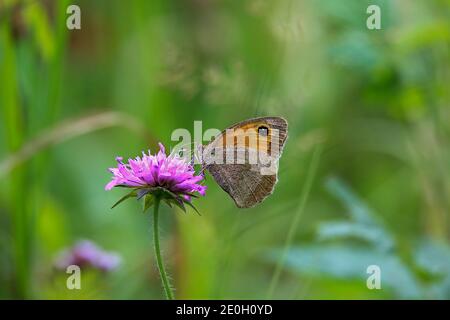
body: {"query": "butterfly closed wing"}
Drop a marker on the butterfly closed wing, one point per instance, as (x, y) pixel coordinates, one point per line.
(250, 151)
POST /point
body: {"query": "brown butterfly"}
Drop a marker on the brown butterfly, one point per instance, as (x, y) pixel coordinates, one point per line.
(243, 159)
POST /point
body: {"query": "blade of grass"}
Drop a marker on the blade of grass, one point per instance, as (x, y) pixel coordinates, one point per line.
(52, 44)
(70, 129)
(296, 219)
(13, 124)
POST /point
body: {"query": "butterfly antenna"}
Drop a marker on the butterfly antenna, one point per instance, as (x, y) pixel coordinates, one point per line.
(192, 159)
(182, 147)
(202, 172)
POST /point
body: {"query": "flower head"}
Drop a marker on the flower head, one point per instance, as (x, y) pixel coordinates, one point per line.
(170, 177)
(87, 254)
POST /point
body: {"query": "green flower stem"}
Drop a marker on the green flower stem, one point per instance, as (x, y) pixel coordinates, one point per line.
(162, 270)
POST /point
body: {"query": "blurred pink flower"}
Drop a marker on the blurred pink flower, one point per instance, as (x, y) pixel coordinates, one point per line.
(87, 254)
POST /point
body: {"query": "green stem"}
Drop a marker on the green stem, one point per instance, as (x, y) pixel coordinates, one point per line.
(162, 270)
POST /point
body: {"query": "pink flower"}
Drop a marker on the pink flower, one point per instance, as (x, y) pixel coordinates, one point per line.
(171, 175)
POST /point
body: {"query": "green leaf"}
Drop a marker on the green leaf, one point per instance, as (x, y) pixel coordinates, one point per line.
(179, 204)
(373, 235)
(168, 203)
(358, 210)
(192, 195)
(131, 194)
(168, 194)
(142, 192)
(350, 263)
(148, 201)
(192, 206)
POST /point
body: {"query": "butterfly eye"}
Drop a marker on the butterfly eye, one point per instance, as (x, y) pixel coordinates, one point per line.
(263, 131)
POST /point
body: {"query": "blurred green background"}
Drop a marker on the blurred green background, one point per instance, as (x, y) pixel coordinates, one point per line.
(364, 178)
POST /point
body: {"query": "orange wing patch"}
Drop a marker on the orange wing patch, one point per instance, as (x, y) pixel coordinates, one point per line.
(256, 136)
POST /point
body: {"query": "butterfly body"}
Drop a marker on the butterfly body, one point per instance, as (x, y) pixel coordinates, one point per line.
(243, 159)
